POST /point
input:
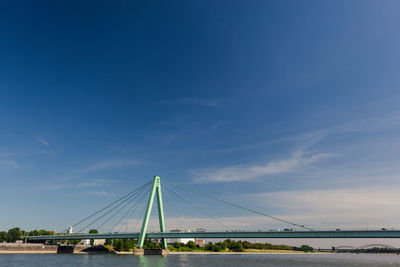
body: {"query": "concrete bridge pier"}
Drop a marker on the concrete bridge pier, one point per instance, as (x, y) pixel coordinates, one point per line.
(142, 252)
(138, 252)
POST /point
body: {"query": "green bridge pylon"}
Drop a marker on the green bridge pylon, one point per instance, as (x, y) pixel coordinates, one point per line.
(156, 189)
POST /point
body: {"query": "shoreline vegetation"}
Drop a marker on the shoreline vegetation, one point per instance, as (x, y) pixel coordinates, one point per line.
(228, 246)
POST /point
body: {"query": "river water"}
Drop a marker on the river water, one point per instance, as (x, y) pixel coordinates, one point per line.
(61, 260)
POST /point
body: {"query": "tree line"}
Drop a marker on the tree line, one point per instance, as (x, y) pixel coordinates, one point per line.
(227, 245)
(16, 233)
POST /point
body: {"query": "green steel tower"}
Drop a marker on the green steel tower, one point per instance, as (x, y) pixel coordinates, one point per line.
(156, 189)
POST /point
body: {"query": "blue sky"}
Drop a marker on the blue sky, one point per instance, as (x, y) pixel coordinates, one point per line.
(291, 107)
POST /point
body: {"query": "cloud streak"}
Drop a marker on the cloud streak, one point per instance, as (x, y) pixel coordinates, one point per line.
(89, 184)
(113, 163)
(72, 184)
(9, 163)
(372, 124)
(371, 206)
(296, 161)
(98, 193)
(44, 142)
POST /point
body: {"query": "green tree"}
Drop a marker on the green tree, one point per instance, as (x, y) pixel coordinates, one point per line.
(228, 242)
(306, 248)
(217, 248)
(93, 231)
(221, 244)
(118, 245)
(236, 247)
(190, 244)
(148, 244)
(14, 234)
(177, 245)
(3, 236)
(209, 247)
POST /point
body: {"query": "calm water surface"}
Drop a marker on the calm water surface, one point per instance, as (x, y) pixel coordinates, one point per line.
(201, 260)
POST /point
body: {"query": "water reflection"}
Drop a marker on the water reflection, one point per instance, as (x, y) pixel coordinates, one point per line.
(156, 261)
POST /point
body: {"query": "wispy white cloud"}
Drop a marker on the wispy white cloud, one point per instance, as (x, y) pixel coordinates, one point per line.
(296, 161)
(89, 184)
(72, 184)
(306, 139)
(300, 158)
(98, 193)
(52, 187)
(363, 207)
(113, 163)
(376, 123)
(214, 103)
(44, 142)
(373, 124)
(10, 163)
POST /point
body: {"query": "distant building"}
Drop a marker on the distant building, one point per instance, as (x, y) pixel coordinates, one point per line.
(99, 242)
(96, 242)
(199, 242)
(180, 240)
(185, 240)
(85, 242)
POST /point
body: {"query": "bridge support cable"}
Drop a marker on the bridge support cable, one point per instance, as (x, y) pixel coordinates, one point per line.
(133, 197)
(111, 204)
(138, 219)
(238, 206)
(143, 190)
(116, 206)
(198, 207)
(130, 212)
(143, 211)
(181, 214)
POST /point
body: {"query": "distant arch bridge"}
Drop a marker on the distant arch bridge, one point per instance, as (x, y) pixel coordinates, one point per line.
(369, 246)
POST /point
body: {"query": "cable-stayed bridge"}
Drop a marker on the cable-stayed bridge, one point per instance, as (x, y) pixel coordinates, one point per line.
(121, 210)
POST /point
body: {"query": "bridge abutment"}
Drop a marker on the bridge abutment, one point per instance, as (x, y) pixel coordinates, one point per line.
(142, 252)
(138, 252)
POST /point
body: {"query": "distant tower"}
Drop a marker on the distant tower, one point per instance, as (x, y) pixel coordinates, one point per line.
(70, 230)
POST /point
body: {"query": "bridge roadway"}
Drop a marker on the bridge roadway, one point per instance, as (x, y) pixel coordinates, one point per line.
(232, 235)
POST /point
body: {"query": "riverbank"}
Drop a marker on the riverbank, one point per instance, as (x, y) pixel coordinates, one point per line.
(247, 252)
(12, 248)
(241, 253)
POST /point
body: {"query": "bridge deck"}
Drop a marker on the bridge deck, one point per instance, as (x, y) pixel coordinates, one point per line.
(233, 235)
